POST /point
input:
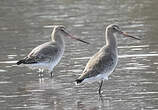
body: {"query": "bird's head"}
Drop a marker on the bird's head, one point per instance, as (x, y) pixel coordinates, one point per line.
(113, 28)
(60, 29)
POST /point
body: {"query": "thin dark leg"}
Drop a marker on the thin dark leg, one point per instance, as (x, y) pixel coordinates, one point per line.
(100, 87)
(51, 74)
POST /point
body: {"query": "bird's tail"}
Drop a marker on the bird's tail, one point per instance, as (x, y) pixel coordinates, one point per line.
(78, 81)
(26, 60)
(21, 62)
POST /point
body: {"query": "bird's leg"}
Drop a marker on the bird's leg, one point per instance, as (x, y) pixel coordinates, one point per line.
(41, 73)
(51, 74)
(101, 83)
(101, 98)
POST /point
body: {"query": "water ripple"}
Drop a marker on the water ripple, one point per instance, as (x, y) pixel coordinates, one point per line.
(138, 55)
(8, 62)
(1, 70)
(5, 82)
(133, 88)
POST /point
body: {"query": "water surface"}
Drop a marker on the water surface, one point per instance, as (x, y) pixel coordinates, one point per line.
(24, 24)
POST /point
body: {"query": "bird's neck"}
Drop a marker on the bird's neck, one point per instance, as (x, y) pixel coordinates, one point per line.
(57, 37)
(110, 39)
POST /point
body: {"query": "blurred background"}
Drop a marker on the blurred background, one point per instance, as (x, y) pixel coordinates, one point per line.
(25, 24)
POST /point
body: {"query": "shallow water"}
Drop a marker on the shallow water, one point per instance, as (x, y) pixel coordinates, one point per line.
(25, 24)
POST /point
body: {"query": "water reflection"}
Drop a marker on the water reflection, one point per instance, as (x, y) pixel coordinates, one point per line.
(26, 24)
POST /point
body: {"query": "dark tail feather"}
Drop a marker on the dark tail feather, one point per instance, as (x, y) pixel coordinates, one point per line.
(20, 62)
(78, 81)
(26, 61)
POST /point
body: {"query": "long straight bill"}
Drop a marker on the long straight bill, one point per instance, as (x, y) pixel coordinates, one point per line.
(72, 37)
(125, 34)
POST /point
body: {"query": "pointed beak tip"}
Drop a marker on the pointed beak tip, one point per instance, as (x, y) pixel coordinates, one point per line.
(83, 41)
(139, 39)
(88, 43)
(125, 34)
(71, 36)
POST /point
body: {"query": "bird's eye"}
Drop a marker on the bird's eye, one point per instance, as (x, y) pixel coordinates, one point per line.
(62, 28)
(114, 27)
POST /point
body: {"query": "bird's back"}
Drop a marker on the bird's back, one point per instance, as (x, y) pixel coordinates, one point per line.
(103, 62)
(42, 53)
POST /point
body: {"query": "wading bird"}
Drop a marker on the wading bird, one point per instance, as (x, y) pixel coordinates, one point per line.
(103, 63)
(48, 55)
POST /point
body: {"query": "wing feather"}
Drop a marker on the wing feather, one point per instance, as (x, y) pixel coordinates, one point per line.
(97, 63)
(42, 53)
